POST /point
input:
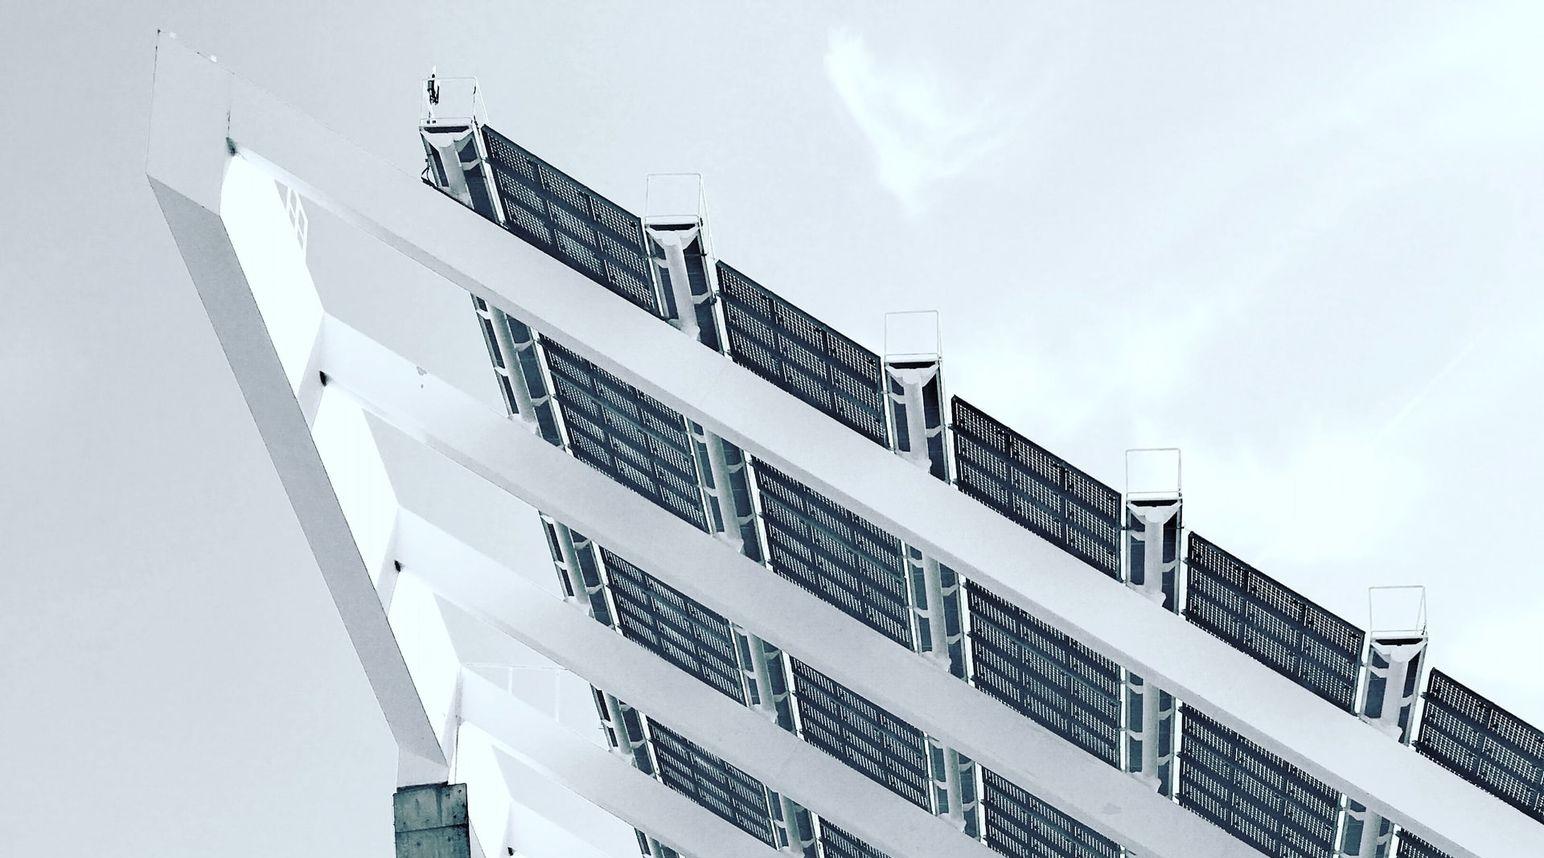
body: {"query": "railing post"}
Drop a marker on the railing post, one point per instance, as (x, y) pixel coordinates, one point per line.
(1391, 684)
(1153, 531)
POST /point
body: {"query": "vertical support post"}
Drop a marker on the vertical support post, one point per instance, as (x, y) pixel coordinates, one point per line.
(795, 831)
(1153, 530)
(624, 729)
(450, 128)
(1397, 657)
(914, 391)
(913, 378)
(765, 678)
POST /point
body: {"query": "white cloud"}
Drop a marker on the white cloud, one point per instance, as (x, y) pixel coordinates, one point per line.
(922, 127)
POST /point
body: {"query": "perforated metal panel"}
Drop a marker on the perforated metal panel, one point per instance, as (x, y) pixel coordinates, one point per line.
(1036, 488)
(1254, 794)
(1411, 846)
(627, 434)
(1059, 683)
(716, 785)
(836, 843)
(835, 554)
(572, 223)
(1253, 612)
(862, 735)
(674, 627)
(1483, 744)
(802, 355)
(1023, 826)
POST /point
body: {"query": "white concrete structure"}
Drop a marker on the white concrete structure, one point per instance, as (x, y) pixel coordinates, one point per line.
(216, 143)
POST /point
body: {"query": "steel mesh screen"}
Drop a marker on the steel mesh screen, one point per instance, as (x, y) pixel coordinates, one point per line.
(835, 554)
(1483, 744)
(1019, 824)
(674, 627)
(572, 223)
(1036, 488)
(802, 355)
(1254, 613)
(846, 726)
(1253, 794)
(1057, 682)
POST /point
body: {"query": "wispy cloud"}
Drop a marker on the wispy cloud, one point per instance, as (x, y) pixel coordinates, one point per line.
(923, 127)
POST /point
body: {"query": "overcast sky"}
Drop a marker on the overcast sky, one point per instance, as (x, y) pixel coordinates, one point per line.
(1303, 244)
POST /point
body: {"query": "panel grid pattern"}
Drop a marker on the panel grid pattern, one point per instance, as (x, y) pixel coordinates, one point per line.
(1411, 846)
(802, 355)
(1036, 488)
(674, 627)
(1483, 744)
(1283, 630)
(716, 785)
(1019, 824)
(1057, 682)
(1253, 794)
(836, 843)
(881, 746)
(835, 554)
(627, 434)
(572, 223)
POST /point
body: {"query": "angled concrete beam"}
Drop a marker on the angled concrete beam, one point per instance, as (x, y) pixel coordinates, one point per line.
(211, 261)
(471, 442)
(603, 779)
(726, 729)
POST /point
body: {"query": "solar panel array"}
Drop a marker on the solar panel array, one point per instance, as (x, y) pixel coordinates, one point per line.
(627, 434)
(862, 735)
(1056, 681)
(1019, 824)
(1253, 794)
(845, 559)
(727, 791)
(1254, 613)
(835, 554)
(1036, 488)
(674, 627)
(1483, 744)
(572, 223)
(802, 355)
(836, 843)
(1411, 846)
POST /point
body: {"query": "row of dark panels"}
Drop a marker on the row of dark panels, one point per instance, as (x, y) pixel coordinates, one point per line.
(647, 450)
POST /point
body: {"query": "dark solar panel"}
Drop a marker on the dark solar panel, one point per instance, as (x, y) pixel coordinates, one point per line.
(836, 843)
(835, 554)
(1411, 846)
(674, 627)
(1253, 794)
(572, 223)
(1037, 489)
(725, 790)
(1282, 629)
(1483, 744)
(1059, 683)
(1021, 825)
(627, 434)
(862, 735)
(802, 355)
